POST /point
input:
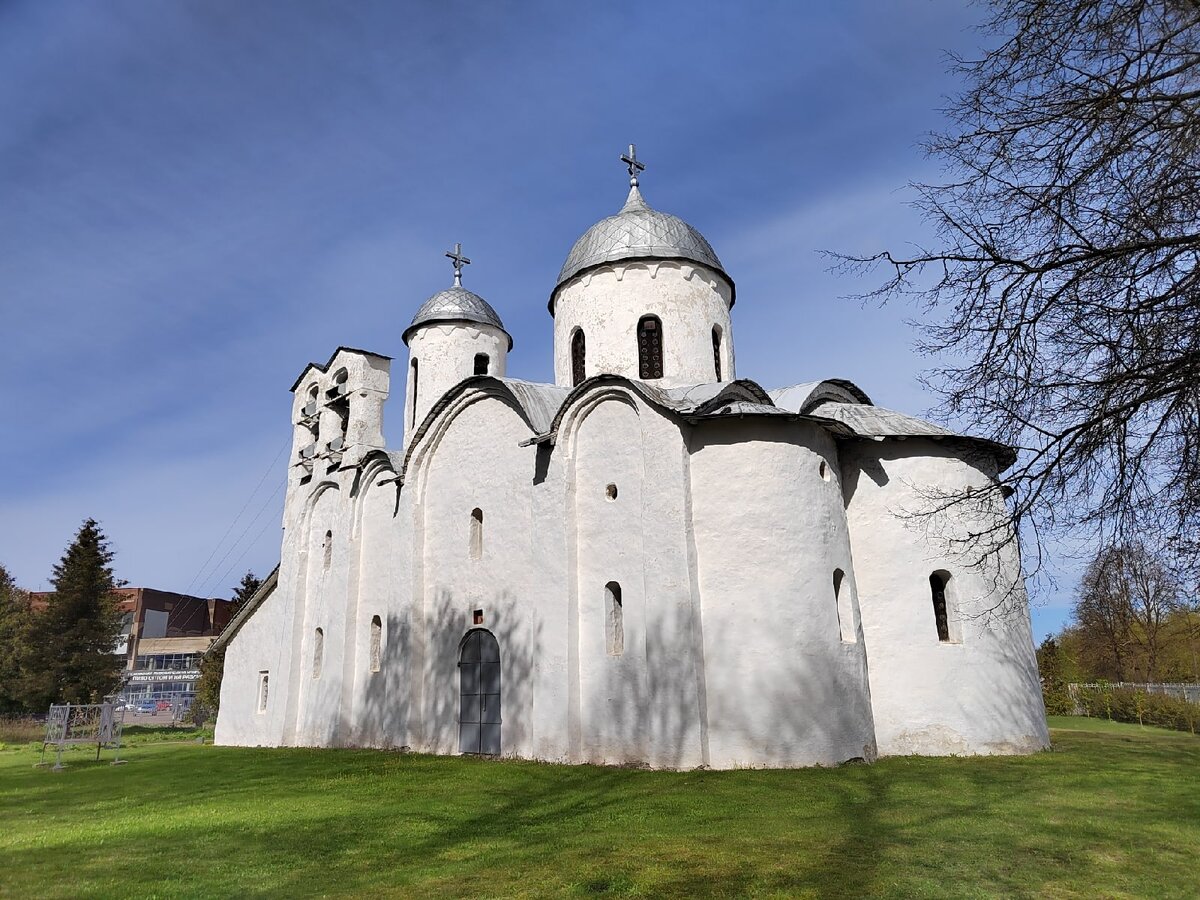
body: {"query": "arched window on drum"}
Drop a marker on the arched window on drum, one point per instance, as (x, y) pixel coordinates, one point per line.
(650, 348)
(578, 357)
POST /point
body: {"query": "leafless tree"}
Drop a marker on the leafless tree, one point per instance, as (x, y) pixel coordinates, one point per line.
(1064, 286)
(1124, 601)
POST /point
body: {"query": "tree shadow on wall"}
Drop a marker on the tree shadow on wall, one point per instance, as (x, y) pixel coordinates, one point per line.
(413, 701)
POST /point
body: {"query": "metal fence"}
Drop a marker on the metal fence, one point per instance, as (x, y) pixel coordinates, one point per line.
(1188, 692)
(92, 723)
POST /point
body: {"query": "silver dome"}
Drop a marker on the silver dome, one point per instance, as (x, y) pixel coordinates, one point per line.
(456, 304)
(638, 232)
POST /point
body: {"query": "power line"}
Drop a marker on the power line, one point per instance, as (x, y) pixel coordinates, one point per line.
(262, 509)
(245, 550)
(233, 524)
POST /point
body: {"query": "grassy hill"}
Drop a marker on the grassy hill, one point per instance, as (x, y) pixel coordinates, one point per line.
(1112, 810)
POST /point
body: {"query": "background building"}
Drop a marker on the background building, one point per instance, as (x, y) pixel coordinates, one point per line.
(163, 637)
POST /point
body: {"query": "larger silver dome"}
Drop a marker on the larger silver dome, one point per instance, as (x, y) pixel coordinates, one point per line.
(456, 304)
(638, 232)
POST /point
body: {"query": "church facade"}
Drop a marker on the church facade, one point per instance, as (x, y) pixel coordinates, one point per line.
(649, 561)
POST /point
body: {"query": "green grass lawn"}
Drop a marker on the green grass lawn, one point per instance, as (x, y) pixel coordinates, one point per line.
(1113, 810)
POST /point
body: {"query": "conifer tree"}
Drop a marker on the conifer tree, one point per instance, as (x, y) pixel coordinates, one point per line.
(15, 622)
(75, 638)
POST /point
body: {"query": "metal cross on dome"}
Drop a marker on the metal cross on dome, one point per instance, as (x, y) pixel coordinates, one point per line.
(459, 262)
(631, 160)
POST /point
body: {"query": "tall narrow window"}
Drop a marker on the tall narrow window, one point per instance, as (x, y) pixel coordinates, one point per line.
(937, 586)
(263, 677)
(327, 549)
(578, 357)
(844, 600)
(481, 363)
(614, 620)
(413, 379)
(650, 348)
(318, 651)
(476, 533)
(716, 336)
(376, 643)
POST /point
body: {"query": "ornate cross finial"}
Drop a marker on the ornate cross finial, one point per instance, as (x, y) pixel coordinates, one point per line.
(459, 262)
(631, 161)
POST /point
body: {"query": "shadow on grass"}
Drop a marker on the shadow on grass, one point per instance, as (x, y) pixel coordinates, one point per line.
(301, 822)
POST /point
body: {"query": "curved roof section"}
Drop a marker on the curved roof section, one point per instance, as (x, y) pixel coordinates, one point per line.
(879, 423)
(456, 304)
(800, 398)
(638, 232)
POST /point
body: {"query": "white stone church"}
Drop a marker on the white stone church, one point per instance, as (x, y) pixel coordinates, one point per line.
(649, 561)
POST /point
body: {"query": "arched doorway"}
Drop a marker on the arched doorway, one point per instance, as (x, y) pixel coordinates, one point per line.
(479, 693)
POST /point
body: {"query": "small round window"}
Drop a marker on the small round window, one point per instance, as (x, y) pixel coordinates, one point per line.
(610, 492)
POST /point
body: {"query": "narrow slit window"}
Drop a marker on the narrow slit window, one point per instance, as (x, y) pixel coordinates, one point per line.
(376, 653)
(481, 363)
(650, 348)
(578, 357)
(413, 379)
(476, 533)
(327, 550)
(263, 678)
(716, 341)
(318, 652)
(937, 586)
(614, 620)
(844, 602)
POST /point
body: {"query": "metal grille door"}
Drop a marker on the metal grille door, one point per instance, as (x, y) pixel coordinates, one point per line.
(479, 694)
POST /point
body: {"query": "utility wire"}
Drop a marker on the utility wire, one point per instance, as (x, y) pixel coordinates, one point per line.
(233, 524)
(262, 509)
(245, 550)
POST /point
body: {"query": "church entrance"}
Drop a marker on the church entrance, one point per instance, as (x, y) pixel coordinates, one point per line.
(479, 693)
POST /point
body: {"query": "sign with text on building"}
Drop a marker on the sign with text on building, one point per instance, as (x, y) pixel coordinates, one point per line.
(162, 675)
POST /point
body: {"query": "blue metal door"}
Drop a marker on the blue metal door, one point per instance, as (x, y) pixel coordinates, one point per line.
(479, 694)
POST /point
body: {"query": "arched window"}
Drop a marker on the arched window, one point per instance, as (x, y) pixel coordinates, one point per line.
(614, 620)
(337, 387)
(578, 357)
(318, 651)
(650, 348)
(376, 643)
(716, 336)
(476, 533)
(481, 363)
(413, 379)
(327, 548)
(938, 582)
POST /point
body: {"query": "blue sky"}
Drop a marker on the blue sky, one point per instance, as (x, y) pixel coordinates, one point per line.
(198, 198)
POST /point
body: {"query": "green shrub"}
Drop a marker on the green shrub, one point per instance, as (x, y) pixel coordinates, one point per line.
(1131, 705)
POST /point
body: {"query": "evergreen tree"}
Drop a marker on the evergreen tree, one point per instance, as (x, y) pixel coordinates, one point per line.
(212, 666)
(16, 618)
(73, 658)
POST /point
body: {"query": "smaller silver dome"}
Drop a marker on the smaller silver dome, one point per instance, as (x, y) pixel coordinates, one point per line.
(456, 304)
(637, 232)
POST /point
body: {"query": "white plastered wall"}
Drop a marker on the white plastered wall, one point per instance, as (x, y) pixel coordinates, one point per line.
(607, 302)
(257, 649)
(380, 701)
(980, 692)
(640, 706)
(480, 435)
(783, 688)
